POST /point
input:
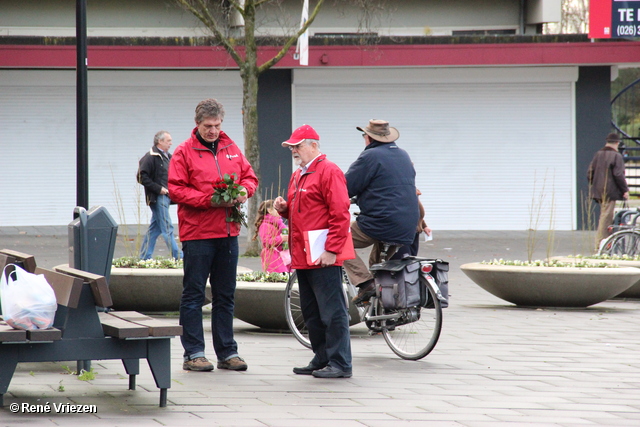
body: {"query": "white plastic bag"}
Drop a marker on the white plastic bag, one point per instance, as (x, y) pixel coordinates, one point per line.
(28, 301)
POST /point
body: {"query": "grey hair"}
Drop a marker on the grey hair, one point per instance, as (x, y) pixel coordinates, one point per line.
(309, 141)
(159, 137)
(209, 108)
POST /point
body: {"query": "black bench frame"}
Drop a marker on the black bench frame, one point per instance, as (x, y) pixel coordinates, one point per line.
(78, 333)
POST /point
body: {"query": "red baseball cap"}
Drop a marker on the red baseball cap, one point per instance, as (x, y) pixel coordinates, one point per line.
(300, 134)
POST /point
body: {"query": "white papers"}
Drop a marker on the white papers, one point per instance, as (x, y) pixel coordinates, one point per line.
(317, 240)
(428, 237)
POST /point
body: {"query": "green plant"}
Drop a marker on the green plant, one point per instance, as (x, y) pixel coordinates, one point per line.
(87, 375)
(536, 210)
(259, 276)
(135, 262)
(68, 370)
(60, 387)
(608, 257)
(551, 263)
(131, 244)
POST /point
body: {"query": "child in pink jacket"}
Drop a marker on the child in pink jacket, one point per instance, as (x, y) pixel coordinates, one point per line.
(274, 237)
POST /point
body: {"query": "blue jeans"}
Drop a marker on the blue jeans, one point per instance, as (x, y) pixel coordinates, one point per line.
(160, 225)
(325, 314)
(216, 260)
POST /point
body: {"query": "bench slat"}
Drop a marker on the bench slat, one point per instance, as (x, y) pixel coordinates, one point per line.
(51, 334)
(67, 288)
(8, 334)
(119, 328)
(157, 327)
(6, 260)
(99, 286)
(28, 261)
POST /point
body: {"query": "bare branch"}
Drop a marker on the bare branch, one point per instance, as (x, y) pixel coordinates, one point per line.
(203, 13)
(237, 6)
(270, 63)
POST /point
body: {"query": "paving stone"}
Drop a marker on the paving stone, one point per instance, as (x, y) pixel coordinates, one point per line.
(494, 364)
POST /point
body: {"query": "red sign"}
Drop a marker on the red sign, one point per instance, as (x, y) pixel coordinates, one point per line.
(614, 19)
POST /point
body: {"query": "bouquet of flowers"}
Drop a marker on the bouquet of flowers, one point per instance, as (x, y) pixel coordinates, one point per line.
(226, 190)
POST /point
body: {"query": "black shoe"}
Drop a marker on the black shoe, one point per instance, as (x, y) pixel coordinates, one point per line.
(365, 291)
(331, 372)
(307, 370)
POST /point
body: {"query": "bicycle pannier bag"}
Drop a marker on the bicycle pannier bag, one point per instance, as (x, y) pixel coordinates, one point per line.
(399, 283)
(440, 273)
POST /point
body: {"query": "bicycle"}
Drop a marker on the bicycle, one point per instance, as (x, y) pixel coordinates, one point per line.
(411, 333)
(625, 241)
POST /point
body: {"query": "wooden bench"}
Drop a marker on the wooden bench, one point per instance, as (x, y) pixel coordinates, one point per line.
(82, 333)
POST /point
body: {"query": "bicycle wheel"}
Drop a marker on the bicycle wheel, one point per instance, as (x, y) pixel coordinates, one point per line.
(626, 242)
(416, 332)
(293, 311)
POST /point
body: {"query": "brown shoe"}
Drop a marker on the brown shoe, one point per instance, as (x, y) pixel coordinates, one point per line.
(233, 364)
(365, 291)
(197, 364)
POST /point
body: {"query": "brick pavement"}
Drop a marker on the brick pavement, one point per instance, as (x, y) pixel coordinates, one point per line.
(494, 364)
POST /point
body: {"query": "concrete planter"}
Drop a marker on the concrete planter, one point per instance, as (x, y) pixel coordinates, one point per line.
(146, 289)
(261, 304)
(552, 286)
(149, 289)
(153, 290)
(632, 292)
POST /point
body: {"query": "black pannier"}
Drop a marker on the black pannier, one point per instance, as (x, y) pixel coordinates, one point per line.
(440, 273)
(400, 286)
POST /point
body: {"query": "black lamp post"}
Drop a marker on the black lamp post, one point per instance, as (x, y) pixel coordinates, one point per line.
(82, 123)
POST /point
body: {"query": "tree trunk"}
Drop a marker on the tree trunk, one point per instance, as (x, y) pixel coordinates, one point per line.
(249, 73)
(251, 149)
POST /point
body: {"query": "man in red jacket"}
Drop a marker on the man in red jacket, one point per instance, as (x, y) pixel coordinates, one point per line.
(209, 242)
(318, 199)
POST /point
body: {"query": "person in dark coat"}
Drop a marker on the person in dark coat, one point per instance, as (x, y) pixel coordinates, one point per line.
(382, 180)
(607, 183)
(152, 174)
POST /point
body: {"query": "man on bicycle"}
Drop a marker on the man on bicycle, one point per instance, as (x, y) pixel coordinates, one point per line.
(382, 179)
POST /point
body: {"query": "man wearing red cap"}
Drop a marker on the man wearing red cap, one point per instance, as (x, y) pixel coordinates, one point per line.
(317, 199)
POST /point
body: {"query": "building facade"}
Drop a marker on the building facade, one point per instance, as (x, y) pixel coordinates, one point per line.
(500, 122)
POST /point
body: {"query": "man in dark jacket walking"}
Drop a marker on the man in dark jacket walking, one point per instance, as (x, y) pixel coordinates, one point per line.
(382, 179)
(607, 183)
(152, 174)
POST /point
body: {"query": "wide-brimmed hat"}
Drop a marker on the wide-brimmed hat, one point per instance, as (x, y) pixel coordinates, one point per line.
(300, 134)
(380, 131)
(613, 137)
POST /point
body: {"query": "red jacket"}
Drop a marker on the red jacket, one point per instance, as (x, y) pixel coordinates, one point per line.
(192, 172)
(317, 200)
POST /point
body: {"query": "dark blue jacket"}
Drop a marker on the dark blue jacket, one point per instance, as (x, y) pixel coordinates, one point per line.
(383, 180)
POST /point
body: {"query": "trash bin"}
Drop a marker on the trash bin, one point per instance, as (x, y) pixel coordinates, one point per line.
(92, 240)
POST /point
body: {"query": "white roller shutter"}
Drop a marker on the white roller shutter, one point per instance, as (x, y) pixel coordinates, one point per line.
(493, 148)
(126, 109)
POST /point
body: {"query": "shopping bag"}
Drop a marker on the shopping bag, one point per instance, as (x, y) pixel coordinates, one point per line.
(285, 256)
(28, 301)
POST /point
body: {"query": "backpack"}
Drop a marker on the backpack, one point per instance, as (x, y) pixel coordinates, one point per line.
(138, 177)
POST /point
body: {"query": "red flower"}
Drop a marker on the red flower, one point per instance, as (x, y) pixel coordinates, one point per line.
(226, 190)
